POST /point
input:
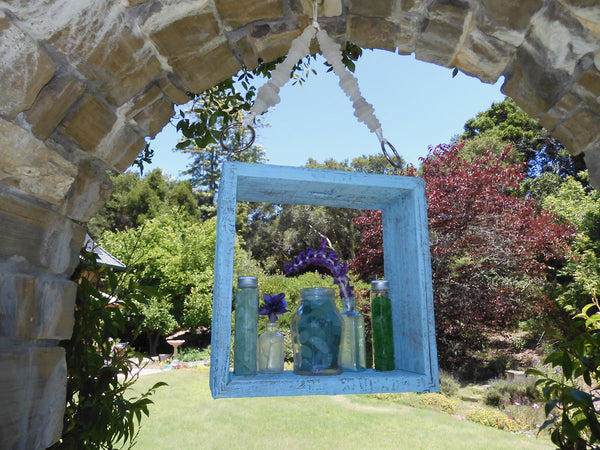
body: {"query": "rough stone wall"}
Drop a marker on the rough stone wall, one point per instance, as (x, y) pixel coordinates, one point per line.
(83, 82)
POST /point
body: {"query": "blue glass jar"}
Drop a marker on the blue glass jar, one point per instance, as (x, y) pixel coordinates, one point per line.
(316, 330)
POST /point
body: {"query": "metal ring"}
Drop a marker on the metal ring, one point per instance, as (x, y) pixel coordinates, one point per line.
(398, 163)
(241, 149)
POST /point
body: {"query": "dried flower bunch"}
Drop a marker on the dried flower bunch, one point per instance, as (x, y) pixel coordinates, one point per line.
(323, 258)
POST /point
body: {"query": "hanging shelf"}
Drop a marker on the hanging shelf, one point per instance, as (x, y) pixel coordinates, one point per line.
(406, 262)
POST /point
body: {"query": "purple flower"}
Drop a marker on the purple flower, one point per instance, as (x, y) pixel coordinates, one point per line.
(274, 306)
(323, 258)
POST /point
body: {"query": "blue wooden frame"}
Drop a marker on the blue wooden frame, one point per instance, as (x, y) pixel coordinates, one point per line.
(407, 267)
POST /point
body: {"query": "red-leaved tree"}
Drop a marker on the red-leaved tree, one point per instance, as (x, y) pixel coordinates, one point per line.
(491, 251)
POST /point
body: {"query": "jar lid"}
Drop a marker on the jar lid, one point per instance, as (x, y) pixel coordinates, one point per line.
(380, 285)
(247, 282)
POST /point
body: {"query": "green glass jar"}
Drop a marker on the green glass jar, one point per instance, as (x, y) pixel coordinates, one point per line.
(245, 340)
(316, 330)
(381, 325)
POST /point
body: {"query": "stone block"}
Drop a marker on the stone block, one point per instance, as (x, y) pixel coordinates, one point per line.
(153, 118)
(176, 94)
(507, 20)
(129, 154)
(33, 396)
(122, 148)
(483, 56)
(237, 13)
(373, 8)
(52, 104)
(587, 88)
(151, 110)
(25, 69)
(89, 123)
(587, 12)
(202, 70)
(442, 32)
(34, 308)
(186, 36)
(36, 236)
(246, 52)
(579, 132)
(276, 43)
(30, 166)
(561, 38)
(373, 33)
(330, 8)
(106, 49)
(532, 81)
(565, 107)
(90, 190)
(592, 162)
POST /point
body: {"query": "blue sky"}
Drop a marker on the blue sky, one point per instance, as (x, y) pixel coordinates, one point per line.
(418, 104)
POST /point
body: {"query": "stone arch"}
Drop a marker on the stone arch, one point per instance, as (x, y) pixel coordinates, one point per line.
(84, 82)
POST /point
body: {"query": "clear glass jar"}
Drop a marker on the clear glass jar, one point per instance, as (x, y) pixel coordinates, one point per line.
(316, 333)
(270, 350)
(382, 325)
(352, 346)
(246, 327)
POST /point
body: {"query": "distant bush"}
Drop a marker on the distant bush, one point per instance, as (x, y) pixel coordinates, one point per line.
(438, 401)
(448, 384)
(494, 419)
(504, 392)
(188, 354)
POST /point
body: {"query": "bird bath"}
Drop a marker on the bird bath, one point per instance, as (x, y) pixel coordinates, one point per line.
(175, 344)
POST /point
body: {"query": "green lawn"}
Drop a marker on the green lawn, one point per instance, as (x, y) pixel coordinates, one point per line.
(184, 416)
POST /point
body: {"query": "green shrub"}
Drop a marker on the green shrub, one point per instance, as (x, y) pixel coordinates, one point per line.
(504, 392)
(101, 410)
(571, 399)
(448, 384)
(187, 354)
(494, 419)
(438, 401)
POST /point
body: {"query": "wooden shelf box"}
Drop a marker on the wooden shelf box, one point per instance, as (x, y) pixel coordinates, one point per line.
(407, 267)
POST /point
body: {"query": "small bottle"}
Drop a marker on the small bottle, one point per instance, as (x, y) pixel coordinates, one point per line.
(270, 350)
(381, 324)
(352, 345)
(246, 327)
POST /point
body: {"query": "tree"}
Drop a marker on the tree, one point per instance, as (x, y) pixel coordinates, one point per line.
(175, 257)
(136, 199)
(580, 277)
(491, 251)
(205, 168)
(506, 123)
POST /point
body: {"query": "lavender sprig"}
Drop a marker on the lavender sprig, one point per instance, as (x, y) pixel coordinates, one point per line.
(323, 258)
(274, 306)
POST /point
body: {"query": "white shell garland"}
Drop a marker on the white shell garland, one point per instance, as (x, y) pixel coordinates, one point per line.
(268, 94)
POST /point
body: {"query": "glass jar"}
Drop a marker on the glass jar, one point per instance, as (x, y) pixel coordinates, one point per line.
(270, 350)
(352, 346)
(246, 327)
(382, 326)
(316, 333)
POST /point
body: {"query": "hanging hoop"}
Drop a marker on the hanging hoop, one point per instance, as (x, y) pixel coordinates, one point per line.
(231, 150)
(398, 163)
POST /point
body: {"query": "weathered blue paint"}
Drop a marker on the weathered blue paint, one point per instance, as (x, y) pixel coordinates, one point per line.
(407, 266)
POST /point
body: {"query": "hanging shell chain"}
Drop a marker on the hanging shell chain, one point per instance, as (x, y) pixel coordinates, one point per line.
(268, 94)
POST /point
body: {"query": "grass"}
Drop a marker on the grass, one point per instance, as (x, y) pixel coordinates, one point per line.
(185, 416)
